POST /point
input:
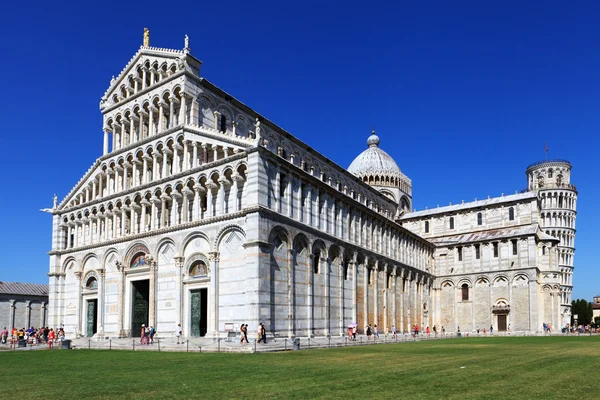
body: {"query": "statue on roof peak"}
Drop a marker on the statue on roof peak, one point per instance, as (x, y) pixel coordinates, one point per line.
(146, 37)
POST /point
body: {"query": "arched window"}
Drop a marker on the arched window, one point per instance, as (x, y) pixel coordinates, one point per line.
(198, 268)
(511, 214)
(315, 261)
(550, 172)
(479, 218)
(345, 269)
(91, 283)
(426, 226)
(465, 292)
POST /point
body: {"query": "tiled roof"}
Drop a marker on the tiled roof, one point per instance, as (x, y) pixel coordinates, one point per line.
(471, 204)
(28, 289)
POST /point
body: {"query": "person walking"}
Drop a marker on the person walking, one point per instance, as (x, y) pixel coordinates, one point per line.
(393, 331)
(178, 333)
(369, 332)
(376, 332)
(4, 335)
(354, 332)
(262, 337)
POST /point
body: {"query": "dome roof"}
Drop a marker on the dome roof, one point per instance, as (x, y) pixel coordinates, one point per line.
(374, 161)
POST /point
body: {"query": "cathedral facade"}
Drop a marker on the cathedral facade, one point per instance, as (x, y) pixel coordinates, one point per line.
(203, 213)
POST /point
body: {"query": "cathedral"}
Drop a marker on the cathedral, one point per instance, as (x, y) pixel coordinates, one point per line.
(205, 214)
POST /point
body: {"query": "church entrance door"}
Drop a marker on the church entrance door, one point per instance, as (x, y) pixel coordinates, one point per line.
(502, 322)
(92, 317)
(140, 295)
(199, 312)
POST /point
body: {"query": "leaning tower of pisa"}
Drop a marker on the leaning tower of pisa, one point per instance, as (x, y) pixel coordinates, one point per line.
(558, 199)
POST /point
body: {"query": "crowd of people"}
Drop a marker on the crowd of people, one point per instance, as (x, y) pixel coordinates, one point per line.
(32, 336)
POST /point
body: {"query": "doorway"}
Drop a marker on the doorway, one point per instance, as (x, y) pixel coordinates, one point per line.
(92, 317)
(502, 322)
(199, 312)
(140, 300)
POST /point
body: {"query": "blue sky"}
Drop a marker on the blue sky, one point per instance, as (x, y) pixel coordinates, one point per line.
(462, 94)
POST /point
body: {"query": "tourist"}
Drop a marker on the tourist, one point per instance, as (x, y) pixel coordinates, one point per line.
(354, 331)
(427, 332)
(3, 335)
(178, 333)
(368, 332)
(262, 335)
(375, 332)
(244, 334)
(443, 331)
(152, 333)
(491, 329)
(434, 331)
(143, 337)
(50, 339)
(350, 332)
(393, 331)
(484, 332)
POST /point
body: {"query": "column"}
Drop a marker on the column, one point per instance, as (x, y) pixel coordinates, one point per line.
(194, 155)
(153, 217)
(209, 198)
(143, 225)
(354, 265)
(105, 144)
(214, 291)
(163, 211)
(186, 205)
(171, 112)
(186, 156)
(161, 117)
(278, 189)
(114, 224)
(152, 296)
(76, 237)
(401, 300)
(327, 262)
(176, 198)
(121, 297)
(375, 296)
(28, 313)
(151, 121)
(204, 153)
(221, 197)
(123, 218)
(179, 261)
(290, 209)
(291, 292)
(310, 297)
(394, 279)
(145, 169)
(78, 307)
(309, 199)
(11, 321)
(366, 296)
(196, 214)
(182, 109)
(125, 175)
(233, 194)
(100, 310)
(133, 219)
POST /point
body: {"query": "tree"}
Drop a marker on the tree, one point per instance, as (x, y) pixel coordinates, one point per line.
(583, 310)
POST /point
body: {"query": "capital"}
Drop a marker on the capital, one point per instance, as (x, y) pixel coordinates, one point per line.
(213, 256)
(179, 261)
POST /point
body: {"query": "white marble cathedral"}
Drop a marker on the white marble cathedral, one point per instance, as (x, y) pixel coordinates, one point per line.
(206, 214)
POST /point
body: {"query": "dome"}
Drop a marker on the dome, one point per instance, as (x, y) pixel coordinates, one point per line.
(374, 161)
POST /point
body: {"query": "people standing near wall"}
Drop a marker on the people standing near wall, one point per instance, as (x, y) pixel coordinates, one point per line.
(4, 335)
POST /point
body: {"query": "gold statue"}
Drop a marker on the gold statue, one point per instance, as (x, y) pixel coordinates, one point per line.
(146, 37)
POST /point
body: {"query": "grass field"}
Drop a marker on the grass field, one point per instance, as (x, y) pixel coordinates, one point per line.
(475, 368)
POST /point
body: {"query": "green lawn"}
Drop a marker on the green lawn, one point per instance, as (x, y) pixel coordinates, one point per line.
(475, 368)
